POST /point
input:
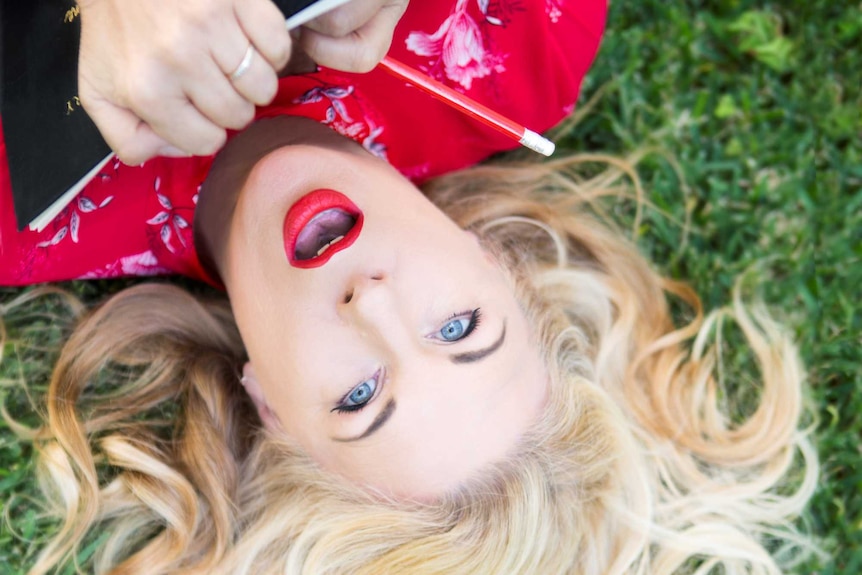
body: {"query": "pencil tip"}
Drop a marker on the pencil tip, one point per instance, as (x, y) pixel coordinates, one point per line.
(537, 142)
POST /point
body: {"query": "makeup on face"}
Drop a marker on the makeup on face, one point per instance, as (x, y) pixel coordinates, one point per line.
(404, 364)
(319, 225)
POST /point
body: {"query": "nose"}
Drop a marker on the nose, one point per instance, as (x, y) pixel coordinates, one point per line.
(361, 283)
(367, 298)
(372, 305)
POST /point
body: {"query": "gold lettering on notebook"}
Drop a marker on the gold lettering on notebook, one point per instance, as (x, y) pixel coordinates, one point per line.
(71, 14)
(72, 105)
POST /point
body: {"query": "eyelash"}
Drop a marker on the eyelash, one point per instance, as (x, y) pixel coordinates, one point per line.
(475, 320)
(351, 408)
(341, 408)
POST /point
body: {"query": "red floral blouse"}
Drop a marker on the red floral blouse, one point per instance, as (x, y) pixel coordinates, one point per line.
(524, 59)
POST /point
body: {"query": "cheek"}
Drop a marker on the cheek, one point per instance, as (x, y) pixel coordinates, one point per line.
(308, 366)
(532, 375)
(289, 415)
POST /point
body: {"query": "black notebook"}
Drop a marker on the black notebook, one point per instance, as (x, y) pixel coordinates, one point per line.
(52, 146)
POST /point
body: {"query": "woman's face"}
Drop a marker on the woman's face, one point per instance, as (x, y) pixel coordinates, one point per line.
(403, 361)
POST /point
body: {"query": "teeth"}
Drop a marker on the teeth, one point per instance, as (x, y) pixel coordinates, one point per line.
(327, 246)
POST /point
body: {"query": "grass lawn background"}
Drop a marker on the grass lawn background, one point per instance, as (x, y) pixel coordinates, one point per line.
(752, 113)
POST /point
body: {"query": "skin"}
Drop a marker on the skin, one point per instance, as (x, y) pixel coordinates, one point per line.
(155, 76)
(379, 306)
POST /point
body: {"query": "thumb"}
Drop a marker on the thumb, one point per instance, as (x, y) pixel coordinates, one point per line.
(360, 50)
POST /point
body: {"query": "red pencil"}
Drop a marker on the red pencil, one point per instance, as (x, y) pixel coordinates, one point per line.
(469, 106)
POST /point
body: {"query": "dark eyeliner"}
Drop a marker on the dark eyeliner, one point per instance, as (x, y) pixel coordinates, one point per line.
(349, 408)
(475, 319)
(472, 324)
(341, 408)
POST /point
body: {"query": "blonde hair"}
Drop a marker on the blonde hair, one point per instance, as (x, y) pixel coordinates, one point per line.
(643, 462)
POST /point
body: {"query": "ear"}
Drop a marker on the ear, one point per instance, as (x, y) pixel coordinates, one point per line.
(252, 387)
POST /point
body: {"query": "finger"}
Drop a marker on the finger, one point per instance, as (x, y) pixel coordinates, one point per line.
(147, 114)
(360, 50)
(129, 137)
(257, 83)
(217, 98)
(263, 24)
(163, 103)
(181, 124)
(346, 19)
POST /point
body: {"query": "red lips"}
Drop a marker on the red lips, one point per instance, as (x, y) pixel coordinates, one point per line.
(319, 225)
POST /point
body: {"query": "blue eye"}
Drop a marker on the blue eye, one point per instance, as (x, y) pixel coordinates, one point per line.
(454, 330)
(361, 393)
(459, 326)
(359, 396)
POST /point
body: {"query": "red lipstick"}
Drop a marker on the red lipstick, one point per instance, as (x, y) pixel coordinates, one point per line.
(319, 225)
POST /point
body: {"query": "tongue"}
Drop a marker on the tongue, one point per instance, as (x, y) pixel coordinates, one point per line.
(322, 229)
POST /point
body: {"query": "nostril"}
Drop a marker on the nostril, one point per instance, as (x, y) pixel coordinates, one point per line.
(348, 296)
(377, 277)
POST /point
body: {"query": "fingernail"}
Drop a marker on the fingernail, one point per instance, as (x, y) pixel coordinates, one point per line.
(172, 152)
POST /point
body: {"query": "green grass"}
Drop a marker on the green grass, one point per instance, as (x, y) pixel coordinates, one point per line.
(752, 111)
(759, 105)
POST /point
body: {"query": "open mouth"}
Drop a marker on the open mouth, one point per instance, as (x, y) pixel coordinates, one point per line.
(319, 225)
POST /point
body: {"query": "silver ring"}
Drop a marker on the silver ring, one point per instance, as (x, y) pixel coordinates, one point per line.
(244, 65)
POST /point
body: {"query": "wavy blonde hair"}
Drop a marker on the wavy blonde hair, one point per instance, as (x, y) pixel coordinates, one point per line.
(644, 461)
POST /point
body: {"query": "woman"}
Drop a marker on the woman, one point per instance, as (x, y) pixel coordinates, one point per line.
(573, 430)
(328, 245)
(513, 399)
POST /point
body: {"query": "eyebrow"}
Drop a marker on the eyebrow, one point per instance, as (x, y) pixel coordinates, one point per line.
(480, 354)
(466, 357)
(378, 422)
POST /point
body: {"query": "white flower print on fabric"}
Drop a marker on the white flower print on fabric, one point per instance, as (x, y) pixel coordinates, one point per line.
(483, 6)
(376, 148)
(459, 46)
(171, 223)
(339, 119)
(72, 229)
(75, 212)
(332, 93)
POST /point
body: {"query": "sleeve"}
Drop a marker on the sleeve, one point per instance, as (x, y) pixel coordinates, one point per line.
(523, 60)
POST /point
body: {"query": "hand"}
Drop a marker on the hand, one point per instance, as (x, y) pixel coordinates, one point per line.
(155, 75)
(355, 36)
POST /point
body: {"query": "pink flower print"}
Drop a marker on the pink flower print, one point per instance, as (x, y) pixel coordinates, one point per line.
(460, 45)
(142, 264)
(553, 10)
